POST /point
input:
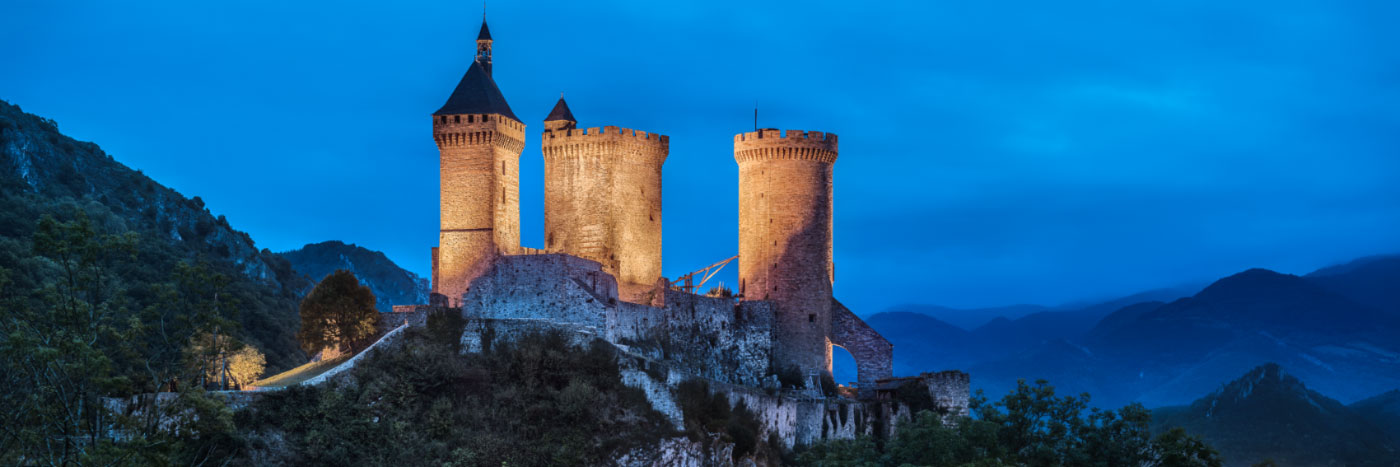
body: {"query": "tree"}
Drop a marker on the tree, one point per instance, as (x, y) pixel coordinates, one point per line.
(338, 313)
(1029, 426)
(246, 366)
(54, 352)
(224, 361)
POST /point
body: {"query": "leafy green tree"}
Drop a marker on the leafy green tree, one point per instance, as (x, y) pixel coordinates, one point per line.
(338, 313)
(54, 354)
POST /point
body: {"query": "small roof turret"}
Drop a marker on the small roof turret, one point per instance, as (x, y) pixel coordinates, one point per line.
(561, 112)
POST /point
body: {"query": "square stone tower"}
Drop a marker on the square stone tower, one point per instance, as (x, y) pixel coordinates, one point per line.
(479, 142)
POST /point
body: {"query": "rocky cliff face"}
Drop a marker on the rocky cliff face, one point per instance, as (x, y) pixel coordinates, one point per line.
(55, 166)
(391, 284)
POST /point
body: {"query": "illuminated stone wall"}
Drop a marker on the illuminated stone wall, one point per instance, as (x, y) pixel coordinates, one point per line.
(603, 200)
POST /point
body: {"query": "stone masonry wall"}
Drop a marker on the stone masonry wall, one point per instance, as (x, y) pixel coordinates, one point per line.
(559, 288)
(715, 338)
(785, 238)
(479, 156)
(603, 199)
(950, 390)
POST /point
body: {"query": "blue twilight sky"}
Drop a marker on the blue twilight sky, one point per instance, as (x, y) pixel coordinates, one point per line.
(992, 152)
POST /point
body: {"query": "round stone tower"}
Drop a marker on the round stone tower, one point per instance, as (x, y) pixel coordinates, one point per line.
(479, 141)
(785, 207)
(603, 197)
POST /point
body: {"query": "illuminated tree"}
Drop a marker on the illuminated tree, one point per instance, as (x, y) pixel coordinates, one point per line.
(338, 313)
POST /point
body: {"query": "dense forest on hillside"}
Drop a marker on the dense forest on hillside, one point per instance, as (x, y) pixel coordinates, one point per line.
(112, 285)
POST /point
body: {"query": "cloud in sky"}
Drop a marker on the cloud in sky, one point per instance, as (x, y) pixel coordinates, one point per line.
(991, 152)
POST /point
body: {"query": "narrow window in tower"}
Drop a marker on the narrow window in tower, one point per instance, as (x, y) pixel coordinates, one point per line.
(469, 118)
(503, 167)
(444, 119)
(811, 318)
(456, 119)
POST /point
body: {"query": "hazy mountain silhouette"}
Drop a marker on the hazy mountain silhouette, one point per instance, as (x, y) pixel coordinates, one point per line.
(1373, 281)
(1269, 414)
(1383, 410)
(1325, 327)
(968, 318)
(392, 285)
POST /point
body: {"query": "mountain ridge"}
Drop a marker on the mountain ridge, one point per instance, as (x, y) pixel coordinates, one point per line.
(1270, 414)
(391, 284)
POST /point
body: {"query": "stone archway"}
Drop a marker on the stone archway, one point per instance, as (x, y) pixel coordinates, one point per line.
(873, 354)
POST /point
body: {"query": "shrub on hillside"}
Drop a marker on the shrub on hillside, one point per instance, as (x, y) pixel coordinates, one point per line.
(538, 400)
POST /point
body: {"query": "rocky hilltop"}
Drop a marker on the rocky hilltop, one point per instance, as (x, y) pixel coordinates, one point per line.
(1269, 414)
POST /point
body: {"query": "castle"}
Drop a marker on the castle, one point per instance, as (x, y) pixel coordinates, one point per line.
(599, 271)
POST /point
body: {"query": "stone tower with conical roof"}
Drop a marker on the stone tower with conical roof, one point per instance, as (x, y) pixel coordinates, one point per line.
(602, 198)
(479, 141)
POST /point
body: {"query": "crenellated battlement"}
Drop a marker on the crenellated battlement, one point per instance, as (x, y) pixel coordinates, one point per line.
(447, 122)
(772, 144)
(607, 132)
(772, 134)
(471, 129)
(609, 142)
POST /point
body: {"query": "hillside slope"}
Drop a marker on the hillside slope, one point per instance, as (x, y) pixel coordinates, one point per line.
(43, 172)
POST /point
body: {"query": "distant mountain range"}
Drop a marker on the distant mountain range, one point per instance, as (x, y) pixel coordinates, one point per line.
(1337, 329)
(1269, 414)
(391, 284)
(1087, 313)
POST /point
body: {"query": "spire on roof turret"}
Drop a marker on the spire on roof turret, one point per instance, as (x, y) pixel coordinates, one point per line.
(483, 45)
(485, 34)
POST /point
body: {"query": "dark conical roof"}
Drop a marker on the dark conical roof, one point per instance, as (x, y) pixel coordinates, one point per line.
(476, 94)
(485, 34)
(560, 112)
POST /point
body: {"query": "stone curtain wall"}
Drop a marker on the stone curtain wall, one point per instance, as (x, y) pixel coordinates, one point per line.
(554, 287)
(715, 338)
(479, 158)
(873, 354)
(412, 315)
(785, 240)
(603, 199)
